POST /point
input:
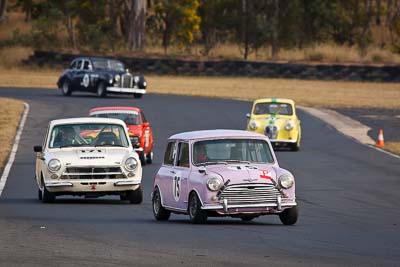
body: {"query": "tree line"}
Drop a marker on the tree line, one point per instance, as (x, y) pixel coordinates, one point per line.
(251, 24)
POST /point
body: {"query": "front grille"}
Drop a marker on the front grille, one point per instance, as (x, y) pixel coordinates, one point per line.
(93, 173)
(126, 81)
(271, 131)
(250, 194)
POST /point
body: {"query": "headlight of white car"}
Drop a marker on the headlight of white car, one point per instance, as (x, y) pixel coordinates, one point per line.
(117, 78)
(54, 165)
(286, 181)
(253, 125)
(214, 183)
(131, 164)
(289, 125)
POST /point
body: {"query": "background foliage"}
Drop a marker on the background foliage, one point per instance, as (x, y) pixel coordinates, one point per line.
(252, 25)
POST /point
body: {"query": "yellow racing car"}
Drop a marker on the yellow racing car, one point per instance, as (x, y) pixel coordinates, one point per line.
(277, 119)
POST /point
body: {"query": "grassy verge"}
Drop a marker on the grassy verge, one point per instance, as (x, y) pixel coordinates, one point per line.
(10, 115)
(304, 92)
(393, 147)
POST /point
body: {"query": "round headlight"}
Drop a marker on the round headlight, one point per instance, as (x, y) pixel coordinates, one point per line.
(286, 181)
(253, 125)
(144, 84)
(131, 164)
(289, 125)
(54, 165)
(214, 183)
(117, 77)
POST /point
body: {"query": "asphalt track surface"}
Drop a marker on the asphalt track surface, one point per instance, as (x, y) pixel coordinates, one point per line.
(348, 196)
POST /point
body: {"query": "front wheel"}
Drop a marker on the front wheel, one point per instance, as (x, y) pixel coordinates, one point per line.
(196, 214)
(160, 213)
(47, 197)
(135, 196)
(66, 88)
(289, 216)
(149, 157)
(40, 196)
(142, 158)
(135, 95)
(101, 90)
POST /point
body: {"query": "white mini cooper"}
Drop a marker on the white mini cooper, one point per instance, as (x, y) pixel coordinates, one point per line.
(89, 157)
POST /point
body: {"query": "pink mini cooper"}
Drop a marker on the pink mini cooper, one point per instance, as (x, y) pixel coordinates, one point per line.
(223, 173)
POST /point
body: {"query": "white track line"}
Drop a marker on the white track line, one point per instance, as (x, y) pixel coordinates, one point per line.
(14, 149)
(386, 152)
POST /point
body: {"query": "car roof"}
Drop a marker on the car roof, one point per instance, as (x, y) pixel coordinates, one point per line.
(215, 134)
(272, 99)
(93, 110)
(86, 120)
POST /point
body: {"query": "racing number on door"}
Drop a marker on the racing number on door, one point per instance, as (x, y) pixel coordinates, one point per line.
(176, 190)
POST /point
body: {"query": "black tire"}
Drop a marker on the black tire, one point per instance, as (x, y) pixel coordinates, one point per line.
(159, 212)
(66, 88)
(289, 216)
(40, 196)
(247, 218)
(135, 95)
(149, 157)
(47, 197)
(135, 196)
(142, 158)
(101, 90)
(196, 214)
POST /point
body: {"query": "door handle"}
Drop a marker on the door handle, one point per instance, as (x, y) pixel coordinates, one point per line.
(173, 172)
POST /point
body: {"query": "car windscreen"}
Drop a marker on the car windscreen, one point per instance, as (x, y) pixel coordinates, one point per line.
(107, 64)
(273, 108)
(232, 150)
(88, 134)
(131, 118)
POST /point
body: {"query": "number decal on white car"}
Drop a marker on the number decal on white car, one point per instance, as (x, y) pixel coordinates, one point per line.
(176, 190)
(85, 81)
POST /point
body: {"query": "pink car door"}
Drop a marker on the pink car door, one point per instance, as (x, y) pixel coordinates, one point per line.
(166, 175)
(181, 174)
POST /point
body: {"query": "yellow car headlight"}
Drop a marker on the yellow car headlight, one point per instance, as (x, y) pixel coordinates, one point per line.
(253, 125)
(289, 125)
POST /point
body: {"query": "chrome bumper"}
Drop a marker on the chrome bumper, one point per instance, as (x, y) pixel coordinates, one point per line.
(126, 90)
(58, 184)
(226, 206)
(124, 183)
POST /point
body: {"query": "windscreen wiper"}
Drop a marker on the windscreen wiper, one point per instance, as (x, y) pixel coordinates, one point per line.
(109, 145)
(238, 161)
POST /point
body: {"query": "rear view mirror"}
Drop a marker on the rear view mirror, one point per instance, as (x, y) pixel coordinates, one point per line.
(146, 124)
(38, 148)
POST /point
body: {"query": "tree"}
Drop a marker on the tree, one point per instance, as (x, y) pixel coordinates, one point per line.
(178, 20)
(135, 19)
(3, 9)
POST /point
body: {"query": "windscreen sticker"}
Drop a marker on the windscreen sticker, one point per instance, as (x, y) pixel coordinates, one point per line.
(264, 174)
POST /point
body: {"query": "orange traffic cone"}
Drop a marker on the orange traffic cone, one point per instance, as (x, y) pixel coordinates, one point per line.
(381, 141)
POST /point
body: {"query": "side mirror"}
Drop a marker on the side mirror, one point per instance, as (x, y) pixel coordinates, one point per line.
(38, 148)
(248, 115)
(202, 169)
(146, 124)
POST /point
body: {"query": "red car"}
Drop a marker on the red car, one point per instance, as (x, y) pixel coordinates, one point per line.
(139, 129)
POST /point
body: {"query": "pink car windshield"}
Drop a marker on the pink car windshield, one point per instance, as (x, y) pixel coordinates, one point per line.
(232, 150)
